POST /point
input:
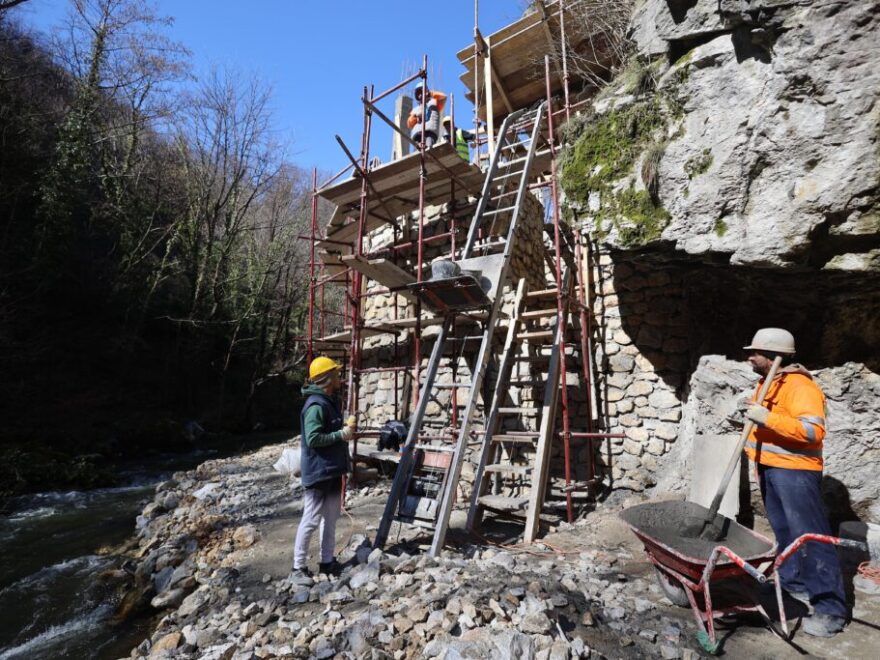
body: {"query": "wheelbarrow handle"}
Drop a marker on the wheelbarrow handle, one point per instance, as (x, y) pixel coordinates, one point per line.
(736, 559)
(795, 545)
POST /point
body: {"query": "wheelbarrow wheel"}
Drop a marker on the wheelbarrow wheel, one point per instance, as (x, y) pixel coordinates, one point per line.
(673, 591)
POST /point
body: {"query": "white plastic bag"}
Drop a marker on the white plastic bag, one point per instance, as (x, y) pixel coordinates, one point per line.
(289, 462)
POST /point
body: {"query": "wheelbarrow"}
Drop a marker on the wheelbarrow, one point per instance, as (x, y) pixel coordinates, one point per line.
(691, 571)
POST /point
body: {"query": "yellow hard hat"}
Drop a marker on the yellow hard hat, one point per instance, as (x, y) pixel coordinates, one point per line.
(447, 119)
(322, 365)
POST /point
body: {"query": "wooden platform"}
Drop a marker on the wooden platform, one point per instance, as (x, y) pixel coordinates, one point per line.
(397, 183)
(380, 327)
(517, 59)
(383, 271)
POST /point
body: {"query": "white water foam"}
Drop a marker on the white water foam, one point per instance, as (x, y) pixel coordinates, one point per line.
(55, 634)
(43, 577)
(28, 514)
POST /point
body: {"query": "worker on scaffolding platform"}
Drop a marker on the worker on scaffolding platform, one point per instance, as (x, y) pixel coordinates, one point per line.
(324, 462)
(462, 138)
(434, 102)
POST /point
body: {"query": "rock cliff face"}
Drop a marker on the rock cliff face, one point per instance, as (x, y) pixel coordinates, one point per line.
(730, 179)
(752, 132)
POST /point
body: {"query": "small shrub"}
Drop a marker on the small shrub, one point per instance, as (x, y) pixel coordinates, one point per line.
(696, 165)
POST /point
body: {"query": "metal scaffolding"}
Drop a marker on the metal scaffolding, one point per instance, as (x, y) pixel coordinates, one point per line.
(375, 196)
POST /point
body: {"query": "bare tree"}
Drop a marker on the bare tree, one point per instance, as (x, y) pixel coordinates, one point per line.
(9, 4)
(229, 158)
(123, 67)
(595, 40)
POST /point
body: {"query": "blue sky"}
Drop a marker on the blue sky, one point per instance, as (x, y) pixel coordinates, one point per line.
(318, 55)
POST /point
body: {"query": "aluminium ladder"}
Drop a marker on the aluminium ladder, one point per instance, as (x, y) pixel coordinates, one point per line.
(426, 481)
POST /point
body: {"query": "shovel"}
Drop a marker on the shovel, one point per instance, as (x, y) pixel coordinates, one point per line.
(711, 527)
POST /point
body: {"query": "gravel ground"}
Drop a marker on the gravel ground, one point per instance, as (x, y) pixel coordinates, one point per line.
(214, 548)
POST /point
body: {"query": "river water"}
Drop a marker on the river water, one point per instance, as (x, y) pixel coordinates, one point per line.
(49, 554)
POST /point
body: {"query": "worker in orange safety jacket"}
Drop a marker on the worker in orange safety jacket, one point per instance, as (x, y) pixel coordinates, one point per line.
(786, 446)
(434, 103)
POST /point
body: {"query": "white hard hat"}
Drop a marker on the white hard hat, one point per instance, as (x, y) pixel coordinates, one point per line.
(772, 340)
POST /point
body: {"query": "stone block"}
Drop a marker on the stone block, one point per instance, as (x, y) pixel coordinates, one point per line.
(663, 400)
(637, 433)
(640, 388)
(621, 362)
(614, 394)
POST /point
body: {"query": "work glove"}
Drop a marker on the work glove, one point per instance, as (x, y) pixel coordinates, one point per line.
(349, 428)
(757, 414)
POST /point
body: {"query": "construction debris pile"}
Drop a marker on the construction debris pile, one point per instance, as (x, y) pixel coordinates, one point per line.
(205, 558)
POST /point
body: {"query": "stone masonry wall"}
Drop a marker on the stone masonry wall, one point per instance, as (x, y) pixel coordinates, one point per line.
(641, 357)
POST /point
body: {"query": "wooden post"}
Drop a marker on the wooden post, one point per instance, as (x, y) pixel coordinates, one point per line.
(487, 75)
(402, 108)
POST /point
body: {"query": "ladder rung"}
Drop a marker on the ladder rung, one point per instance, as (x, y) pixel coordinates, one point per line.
(536, 334)
(517, 410)
(502, 502)
(523, 159)
(435, 448)
(542, 293)
(539, 313)
(509, 469)
(504, 194)
(497, 211)
(450, 386)
(519, 144)
(490, 244)
(507, 176)
(512, 438)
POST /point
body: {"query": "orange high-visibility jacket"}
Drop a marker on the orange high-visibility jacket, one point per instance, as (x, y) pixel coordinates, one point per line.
(795, 430)
(439, 99)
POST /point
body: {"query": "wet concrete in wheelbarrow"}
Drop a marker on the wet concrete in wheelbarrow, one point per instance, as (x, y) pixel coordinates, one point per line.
(662, 521)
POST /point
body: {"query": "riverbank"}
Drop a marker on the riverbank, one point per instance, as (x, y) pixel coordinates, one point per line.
(213, 552)
(63, 577)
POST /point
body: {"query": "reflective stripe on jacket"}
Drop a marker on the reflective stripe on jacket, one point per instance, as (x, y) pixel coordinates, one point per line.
(795, 430)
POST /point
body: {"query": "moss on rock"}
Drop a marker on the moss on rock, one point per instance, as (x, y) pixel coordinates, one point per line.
(605, 151)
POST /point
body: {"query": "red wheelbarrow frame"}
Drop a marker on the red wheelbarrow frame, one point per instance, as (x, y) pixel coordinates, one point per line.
(698, 575)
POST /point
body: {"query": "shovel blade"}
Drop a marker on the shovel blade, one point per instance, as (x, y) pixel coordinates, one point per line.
(696, 527)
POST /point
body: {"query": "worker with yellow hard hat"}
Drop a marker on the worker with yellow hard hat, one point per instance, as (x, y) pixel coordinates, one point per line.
(324, 461)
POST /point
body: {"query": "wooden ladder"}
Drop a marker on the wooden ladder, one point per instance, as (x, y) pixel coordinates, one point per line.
(497, 466)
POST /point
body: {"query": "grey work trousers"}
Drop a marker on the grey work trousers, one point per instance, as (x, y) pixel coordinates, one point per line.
(321, 507)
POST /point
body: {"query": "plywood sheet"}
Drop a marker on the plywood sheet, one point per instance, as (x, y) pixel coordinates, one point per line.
(518, 51)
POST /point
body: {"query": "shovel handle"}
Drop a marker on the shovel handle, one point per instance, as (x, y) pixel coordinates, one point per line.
(747, 429)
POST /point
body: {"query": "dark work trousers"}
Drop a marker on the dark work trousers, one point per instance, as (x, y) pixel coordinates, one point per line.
(793, 499)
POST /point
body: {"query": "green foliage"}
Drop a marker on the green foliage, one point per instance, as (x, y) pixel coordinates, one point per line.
(699, 164)
(639, 220)
(607, 148)
(150, 265)
(651, 168)
(720, 227)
